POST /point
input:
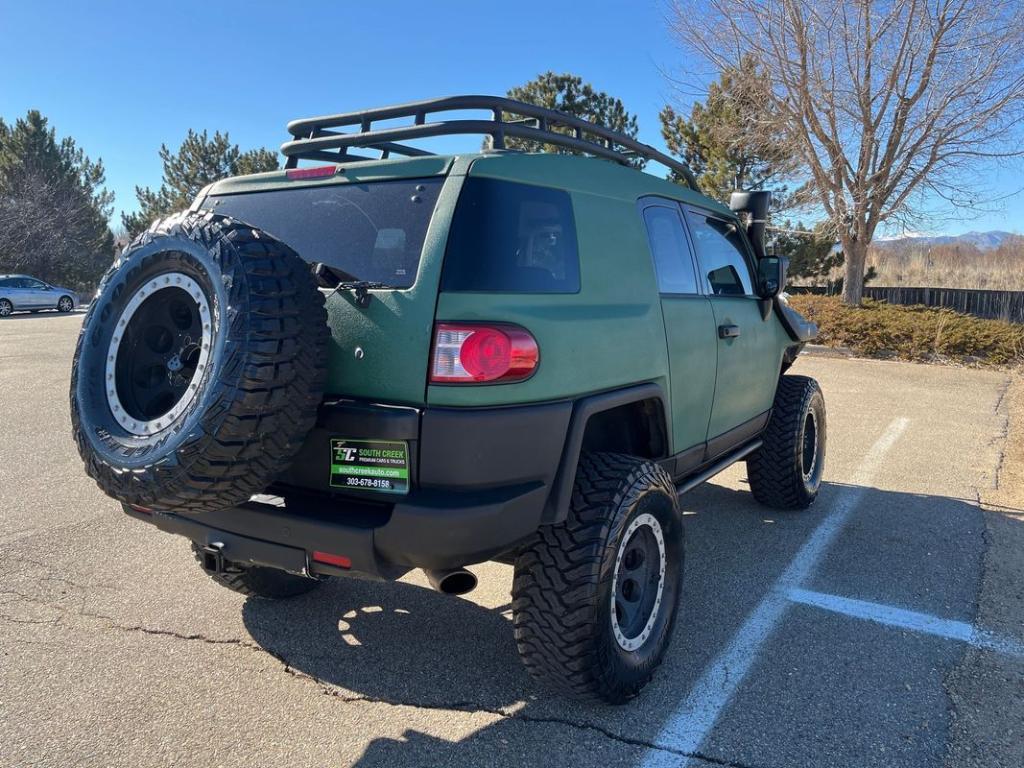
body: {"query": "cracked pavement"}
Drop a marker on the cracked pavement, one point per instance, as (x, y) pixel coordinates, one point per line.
(115, 650)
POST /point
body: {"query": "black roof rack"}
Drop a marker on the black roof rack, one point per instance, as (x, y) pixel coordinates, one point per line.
(315, 139)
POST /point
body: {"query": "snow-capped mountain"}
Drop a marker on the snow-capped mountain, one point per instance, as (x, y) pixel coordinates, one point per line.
(981, 240)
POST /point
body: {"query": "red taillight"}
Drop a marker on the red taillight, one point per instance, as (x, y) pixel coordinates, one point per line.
(311, 173)
(472, 353)
(339, 561)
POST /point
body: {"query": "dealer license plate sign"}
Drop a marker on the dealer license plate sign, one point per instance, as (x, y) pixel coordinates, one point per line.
(370, 465)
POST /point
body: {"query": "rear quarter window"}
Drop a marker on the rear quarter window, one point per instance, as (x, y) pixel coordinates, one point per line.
(511, 238)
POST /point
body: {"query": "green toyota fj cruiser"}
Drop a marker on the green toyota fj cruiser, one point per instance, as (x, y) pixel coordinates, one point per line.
(424, 361)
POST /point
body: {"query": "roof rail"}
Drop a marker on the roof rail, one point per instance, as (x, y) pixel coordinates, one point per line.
(314, 138)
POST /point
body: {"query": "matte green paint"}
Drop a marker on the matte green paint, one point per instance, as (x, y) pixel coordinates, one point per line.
(382, 170)
(692, 352)
(748, 365)
(381, 352)
(609, 335)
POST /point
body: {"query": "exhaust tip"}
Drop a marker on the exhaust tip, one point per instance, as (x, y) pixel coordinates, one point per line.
(457, 581)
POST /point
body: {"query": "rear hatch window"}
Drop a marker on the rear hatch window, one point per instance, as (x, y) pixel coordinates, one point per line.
(365, 231)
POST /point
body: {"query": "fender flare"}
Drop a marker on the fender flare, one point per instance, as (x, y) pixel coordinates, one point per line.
(561, 488)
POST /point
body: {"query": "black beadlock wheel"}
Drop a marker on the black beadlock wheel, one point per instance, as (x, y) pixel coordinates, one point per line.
(258, 581)
(199, 367)
(786, 471)
(594, 599)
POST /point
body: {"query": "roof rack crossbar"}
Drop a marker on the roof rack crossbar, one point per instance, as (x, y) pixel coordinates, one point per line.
(385, 146)
(313, 137)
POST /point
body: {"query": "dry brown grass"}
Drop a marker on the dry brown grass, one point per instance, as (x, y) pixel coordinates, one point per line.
(960, 265)
(950, 266)
(913, 333)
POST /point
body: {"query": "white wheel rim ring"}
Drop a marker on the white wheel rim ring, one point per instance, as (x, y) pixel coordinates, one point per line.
(632, 643)
(134, 425)
(814, 455)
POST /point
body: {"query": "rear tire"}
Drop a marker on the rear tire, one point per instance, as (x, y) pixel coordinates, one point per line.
(6, 308)
(785, 472)
(579, 625)
(257, 581)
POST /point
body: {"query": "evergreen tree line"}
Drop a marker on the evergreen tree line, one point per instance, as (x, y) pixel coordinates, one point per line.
(55, 210)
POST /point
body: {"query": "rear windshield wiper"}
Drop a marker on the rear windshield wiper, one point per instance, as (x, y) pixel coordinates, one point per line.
(340, 280)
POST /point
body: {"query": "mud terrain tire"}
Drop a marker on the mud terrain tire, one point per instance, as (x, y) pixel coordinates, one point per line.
(232, 318)
(567, 582)
(785, 472)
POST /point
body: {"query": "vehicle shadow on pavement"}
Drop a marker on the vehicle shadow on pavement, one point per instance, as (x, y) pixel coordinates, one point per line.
(394, 642)
(406, 645)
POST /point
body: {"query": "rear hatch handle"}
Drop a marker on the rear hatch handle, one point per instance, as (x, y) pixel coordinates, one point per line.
(339, 280)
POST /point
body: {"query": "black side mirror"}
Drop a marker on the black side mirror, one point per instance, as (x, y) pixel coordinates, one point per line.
(771, 276)
(755, 205)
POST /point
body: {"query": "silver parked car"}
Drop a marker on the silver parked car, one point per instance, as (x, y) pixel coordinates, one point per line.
(21, 292)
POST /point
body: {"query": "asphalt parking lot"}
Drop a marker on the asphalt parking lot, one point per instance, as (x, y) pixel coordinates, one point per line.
(860, 633)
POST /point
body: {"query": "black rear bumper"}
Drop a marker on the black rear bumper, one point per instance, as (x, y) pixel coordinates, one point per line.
(481, 484)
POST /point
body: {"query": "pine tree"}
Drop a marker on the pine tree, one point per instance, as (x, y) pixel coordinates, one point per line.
(54, 208)
(731, 141)
(569, 94)
(812, 254)
(200, 160)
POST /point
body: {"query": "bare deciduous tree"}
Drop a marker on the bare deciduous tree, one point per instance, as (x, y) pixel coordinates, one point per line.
(888, 102)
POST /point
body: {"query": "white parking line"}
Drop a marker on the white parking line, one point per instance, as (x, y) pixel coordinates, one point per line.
(924, 623)
(690, 723)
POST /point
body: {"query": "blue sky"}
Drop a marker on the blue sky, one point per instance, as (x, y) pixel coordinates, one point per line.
(124, 77)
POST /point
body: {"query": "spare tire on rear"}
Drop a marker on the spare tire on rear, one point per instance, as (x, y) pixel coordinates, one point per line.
(199, 367)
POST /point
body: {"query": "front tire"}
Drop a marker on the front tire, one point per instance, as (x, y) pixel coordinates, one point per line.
(65, 304)
(786, 471)
(258, 581)
(594, 599)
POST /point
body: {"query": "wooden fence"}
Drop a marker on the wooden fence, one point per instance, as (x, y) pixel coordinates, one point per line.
(996, 305)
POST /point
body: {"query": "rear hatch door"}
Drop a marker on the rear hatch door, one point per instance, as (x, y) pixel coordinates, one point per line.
(382, 223)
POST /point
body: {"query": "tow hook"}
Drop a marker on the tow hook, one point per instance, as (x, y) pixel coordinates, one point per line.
(213, 557)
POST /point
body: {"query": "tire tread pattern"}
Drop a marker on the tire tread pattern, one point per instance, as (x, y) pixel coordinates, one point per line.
(774, 470)
(557, 575)
(268, 385)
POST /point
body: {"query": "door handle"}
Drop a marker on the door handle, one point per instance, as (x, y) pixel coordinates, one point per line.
(728, 331)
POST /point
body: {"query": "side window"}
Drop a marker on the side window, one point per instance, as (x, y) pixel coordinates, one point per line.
(720, 252)
(7, 282)
(672, 261)
(36, 284)
(511, 238)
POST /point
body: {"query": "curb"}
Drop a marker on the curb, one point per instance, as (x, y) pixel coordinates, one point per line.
(820, 350)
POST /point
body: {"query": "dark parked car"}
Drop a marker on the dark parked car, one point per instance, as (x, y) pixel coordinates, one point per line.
(21, 292)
